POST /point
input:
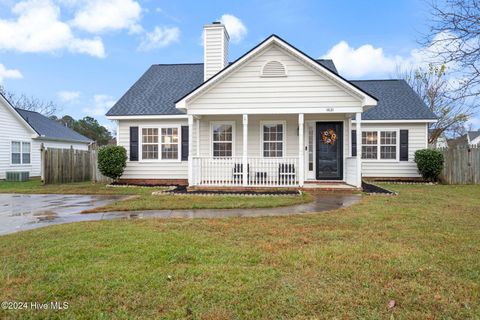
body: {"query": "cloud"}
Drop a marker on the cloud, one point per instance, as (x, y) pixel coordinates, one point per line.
(371, 61)
(68, 96)
(362, 61)
(9, 73)
(160, 37)
(100, 106)
(39, 29)
(98, 16)
(235, 27)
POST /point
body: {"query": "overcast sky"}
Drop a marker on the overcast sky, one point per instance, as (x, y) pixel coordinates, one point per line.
(84, 54)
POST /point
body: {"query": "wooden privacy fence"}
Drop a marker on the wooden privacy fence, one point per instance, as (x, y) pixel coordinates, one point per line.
(462, 165)
(69, 165)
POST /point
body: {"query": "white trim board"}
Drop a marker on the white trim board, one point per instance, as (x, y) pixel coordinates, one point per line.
(397, 121)
(148, 117)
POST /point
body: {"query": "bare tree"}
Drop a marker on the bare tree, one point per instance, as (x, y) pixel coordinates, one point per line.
(22, 101)
(435, 89)
(455, 38)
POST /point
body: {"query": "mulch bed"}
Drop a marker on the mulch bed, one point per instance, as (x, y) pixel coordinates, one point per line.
(182, 190)
(374, 189)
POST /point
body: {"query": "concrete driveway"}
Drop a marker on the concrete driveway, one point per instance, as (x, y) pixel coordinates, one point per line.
(22, 212)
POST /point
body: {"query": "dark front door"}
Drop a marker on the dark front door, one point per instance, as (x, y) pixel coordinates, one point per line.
(329, 151)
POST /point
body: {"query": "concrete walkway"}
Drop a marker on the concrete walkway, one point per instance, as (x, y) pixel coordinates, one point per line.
(23, 212)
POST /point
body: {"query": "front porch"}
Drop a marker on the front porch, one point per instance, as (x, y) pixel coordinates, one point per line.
(270, 151)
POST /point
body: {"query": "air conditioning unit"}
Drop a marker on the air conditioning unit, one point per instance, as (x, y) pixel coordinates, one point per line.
(17, 175)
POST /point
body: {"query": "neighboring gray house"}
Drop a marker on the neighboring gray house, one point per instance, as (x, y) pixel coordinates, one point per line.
(23, 132)
(473, 137)
(274, 117)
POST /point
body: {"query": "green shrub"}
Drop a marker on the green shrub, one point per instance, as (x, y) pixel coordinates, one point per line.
(429, 163)
(112, 160)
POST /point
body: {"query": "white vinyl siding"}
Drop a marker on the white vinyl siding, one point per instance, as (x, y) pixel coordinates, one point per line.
(384, 168)
(12, 129)
(245, 89)
(158, 169)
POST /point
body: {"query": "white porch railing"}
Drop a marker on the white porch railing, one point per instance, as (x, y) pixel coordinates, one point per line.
(261, 172)
(351, 171)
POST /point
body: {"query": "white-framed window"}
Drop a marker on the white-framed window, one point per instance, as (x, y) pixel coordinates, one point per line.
(160, 143)
(380, 145)
(20, 152)
(149, 143)
(223, 137)
(273, 139)
(169, 143)
(388, 145)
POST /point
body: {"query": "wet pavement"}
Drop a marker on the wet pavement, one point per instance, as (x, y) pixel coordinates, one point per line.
(23, 212)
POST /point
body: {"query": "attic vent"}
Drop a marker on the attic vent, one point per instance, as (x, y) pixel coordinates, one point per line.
(274, 69)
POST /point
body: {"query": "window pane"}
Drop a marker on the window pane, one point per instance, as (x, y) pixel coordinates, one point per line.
(150, 151)
(222, 132)
(25, 158)
(169, 151)
(15, 147)
(369, 152)
(388, 137)
(388, 152)
(15, 158)
(369, 137)
(26, 147)
(273, 140)
(222, 149)
(310, 148)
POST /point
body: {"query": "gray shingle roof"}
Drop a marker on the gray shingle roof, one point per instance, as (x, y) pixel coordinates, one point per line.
(157, 90)
(473, 134)
(50, 129)
(396, 101)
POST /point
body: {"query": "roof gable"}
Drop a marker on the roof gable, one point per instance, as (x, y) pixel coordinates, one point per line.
(4, 101)
(367, 99)
(50, 129)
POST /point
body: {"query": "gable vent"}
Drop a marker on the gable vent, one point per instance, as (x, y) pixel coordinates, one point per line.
(274, 69)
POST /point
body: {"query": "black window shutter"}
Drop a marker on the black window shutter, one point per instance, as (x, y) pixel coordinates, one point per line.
(133, 143)
(184, 143)
(403, 145)
(354, 143)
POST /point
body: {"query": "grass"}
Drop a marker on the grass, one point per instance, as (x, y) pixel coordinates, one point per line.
(421, 249)
(144, 200)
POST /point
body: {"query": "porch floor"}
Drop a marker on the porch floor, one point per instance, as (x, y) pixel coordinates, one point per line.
(314, 185)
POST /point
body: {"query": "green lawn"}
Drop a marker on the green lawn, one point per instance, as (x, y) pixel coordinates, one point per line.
(421, 249)
(144, 200)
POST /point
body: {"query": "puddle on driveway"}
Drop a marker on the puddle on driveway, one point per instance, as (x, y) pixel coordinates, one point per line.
(23, 212)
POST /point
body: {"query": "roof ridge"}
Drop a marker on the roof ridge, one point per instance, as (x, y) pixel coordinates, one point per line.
(361, 80)
(177, 64)
(28, 111)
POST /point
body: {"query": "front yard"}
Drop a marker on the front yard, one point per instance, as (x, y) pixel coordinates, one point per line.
(142, 198)
(421, 249)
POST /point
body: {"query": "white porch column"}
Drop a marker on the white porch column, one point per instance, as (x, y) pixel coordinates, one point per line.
(358, 121)
(198, 138)
(301, 152)
(245, 150)
(190, 150)
(349, 132)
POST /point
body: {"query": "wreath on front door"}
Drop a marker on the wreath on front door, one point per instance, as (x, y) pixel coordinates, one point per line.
(329, 136)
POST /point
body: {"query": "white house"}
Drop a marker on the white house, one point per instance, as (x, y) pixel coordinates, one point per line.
(23, 132)
(274, 117)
